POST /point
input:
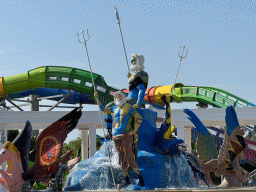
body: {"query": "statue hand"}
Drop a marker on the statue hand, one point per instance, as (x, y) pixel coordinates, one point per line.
(135, 106)
(128, 75)
(96, 95)
(182, 147)
(132, 132)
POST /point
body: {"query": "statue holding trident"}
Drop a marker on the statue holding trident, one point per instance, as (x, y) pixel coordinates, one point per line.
(97, 100)
(138, 83)
(128, 122)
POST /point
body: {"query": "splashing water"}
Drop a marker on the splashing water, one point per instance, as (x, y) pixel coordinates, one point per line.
(95, 173)
(179, 173)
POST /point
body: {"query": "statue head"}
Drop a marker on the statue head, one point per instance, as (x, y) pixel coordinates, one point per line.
(137, 62)
(119, 99)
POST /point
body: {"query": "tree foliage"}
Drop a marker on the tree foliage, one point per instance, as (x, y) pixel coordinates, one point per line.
(75, 145)
(12, 134)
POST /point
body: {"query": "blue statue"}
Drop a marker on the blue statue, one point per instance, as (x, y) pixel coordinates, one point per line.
(138, 83)
(158, 155)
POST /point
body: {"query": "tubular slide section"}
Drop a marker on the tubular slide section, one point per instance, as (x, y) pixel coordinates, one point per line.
(53, 80)
(56, 78)
(207, 95)
(74, 98)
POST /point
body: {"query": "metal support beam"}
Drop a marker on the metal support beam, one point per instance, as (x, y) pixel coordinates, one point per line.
(59, 102)
(60, 106)
(3, 106)
(19, 100)
(19, 105)
(15, 105)
(53, 96)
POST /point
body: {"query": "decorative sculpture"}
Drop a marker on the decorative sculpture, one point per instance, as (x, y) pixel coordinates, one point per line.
(11, 178)
(49, 147)
(56, 178)
(231, 153)
(171, 145)
(138, 83)
(128, 122)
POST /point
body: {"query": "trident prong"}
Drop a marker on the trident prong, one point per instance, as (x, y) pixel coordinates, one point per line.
(181, 56)
(84, 42)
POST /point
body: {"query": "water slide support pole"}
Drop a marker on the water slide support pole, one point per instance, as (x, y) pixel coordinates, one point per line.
(34, 106)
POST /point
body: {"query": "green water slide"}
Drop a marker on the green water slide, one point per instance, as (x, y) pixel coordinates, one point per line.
(209, 95)
(59, 77)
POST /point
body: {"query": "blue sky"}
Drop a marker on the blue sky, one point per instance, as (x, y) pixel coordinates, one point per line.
(220, 37)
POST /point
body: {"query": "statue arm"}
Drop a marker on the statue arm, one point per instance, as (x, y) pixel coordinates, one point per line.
(131, 77)
(105, 109)
(137, 119)
(102, 107)
(139, 78)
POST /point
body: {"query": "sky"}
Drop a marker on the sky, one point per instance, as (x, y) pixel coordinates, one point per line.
(219, 35)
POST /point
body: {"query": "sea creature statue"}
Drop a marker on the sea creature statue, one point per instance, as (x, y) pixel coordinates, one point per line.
(49, 146)
(16, 154)
(11, 178)
(165, 142)
(161, 141)
(171, 145)
(231, 153)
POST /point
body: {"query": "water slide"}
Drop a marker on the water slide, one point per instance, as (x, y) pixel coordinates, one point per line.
(56, 80)
(52, 80)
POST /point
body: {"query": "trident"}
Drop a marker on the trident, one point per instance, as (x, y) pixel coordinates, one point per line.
(84, 42)
(118, 22)
(181, 57)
